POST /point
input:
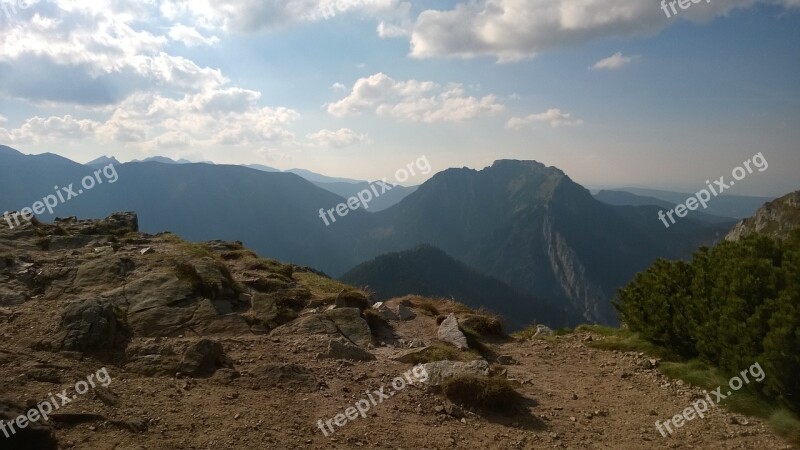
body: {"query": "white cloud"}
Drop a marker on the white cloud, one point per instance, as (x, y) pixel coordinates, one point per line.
(37, 129)
(230, 117)
(256, 15)
(344, 137)
(414, 101)
(511, 30)
(613, 62)
(98, 50)
(555, 117)
(339, 87)
(190, 37)
(3, 119)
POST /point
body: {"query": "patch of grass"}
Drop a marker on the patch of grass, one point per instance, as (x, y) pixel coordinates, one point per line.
(195, 249)
(492, 394)
(457, 307)
(319, 285)
(524, 335)
(484, 323)
(624, 340)
(599, 329)
(425, 305)
(695, 372)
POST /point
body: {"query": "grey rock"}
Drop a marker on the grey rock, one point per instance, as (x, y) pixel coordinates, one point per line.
(449, 332)
(350, 324)
(403, 312)
(384, 311)
(440, 371)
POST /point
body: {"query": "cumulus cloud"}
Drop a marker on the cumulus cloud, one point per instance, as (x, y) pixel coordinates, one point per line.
(229, 117)
(98, 49)
(613, 62)
(511, 30)
(344, 137)
(257, 15)
(414, 101)
(36, 128)
(555, 117)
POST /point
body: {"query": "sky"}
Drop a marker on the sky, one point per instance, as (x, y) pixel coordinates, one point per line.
(613, 92)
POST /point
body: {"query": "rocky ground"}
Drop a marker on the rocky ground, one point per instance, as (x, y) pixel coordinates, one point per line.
(210, 347)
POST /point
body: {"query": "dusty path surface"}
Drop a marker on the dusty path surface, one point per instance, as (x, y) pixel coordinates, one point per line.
(580, 397)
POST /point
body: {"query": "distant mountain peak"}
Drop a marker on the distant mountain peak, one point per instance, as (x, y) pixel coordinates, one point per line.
(103, 161)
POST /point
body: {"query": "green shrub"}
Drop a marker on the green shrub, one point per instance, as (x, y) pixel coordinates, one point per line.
(734, 305)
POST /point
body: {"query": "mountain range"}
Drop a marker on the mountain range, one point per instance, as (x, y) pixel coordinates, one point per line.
(523, 223)
(725, 205)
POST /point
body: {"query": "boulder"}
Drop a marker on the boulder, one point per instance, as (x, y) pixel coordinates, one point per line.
(450, 333)
(384, 311)
(203, 358)
(440, 371)
(542, 330)
(351, 325)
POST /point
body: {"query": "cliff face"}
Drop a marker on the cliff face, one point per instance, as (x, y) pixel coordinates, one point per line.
(571, 277)
(775, 219)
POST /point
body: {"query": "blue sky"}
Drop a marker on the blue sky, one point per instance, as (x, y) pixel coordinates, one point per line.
(611, 91)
